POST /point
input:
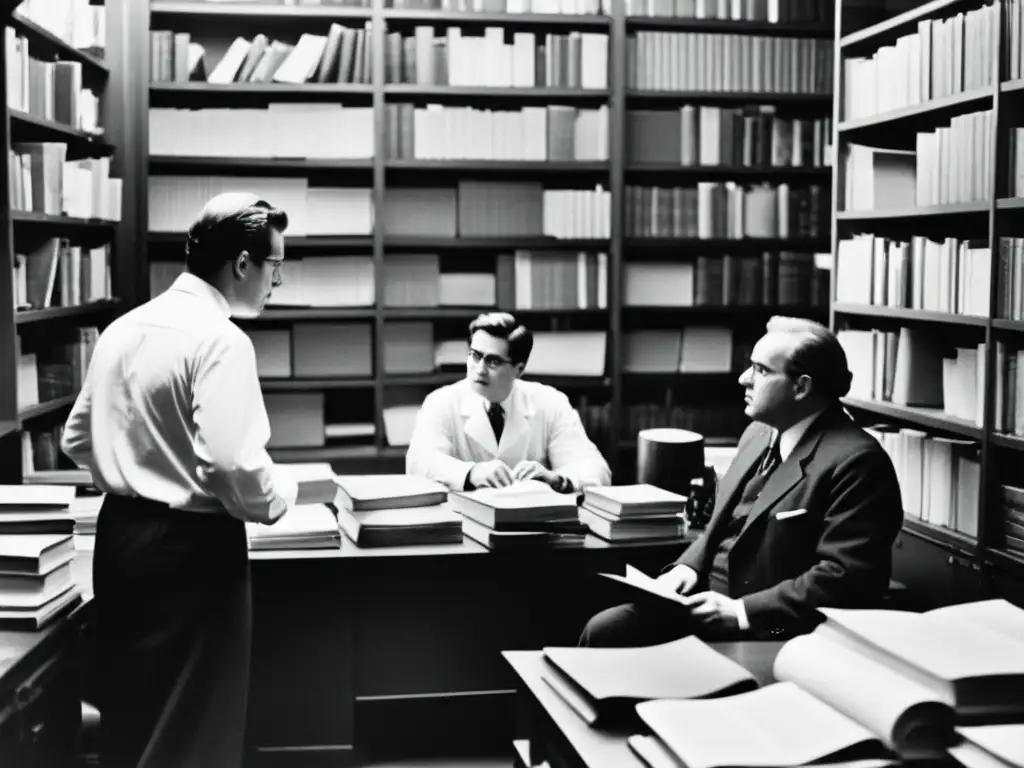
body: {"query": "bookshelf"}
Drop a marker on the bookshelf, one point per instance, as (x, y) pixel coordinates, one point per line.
(60, 216)
(635, 59)
(927, 216)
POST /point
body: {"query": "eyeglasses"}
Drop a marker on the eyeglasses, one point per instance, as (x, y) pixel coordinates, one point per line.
(492, 362)
(761, 370)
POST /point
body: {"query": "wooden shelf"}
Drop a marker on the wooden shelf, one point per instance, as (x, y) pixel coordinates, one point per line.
(755, 313)
(297, 243)
(908, 315)
(1005, 559)
(823, 100)
(305, 385)
(954, 214)
(258, 11)
(79, 312)
(730, 26)
(368, 456)
(557, 20)
(1011, 442)
(46, 45)
(184, 164)
(696, 245)
(725, 172)
(26, 127)
(408, 91)
(937, 534)
(898, 129)
(56, 220)
(533, 167)
(202, 94)
(493, 243)
(49, 406)
(927, 418)
(871, 38)
(7, 428)
(1016, 326)
(313, 313)
(468, 313)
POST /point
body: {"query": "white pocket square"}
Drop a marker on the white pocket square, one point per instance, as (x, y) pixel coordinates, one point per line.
(790, 513)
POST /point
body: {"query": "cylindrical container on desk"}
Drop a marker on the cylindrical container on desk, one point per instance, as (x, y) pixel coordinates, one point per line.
(673, 459)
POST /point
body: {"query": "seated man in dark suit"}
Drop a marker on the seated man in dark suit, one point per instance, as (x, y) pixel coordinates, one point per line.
(805, 516)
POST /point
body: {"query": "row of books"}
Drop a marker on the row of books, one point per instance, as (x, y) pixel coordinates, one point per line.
(940, 478)
(941, 171)
(48, 90)
(748, 137)
(727, 210)
(711, 418)
(438, 132)
(315, 131)
(772, 11)
(943, 57)
(1008, 415)
(703, 61)
(55, 369)
(78, 23)
(771, 279)
(916, 368)
(694, 349)
(1010, 291)
(1012, 522)
(58, 274)
(947, 677)
(43, 180)
(570, 7)
(455, 57)
(939, 276)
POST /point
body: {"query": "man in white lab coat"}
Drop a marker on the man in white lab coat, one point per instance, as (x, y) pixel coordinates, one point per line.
(492, 428)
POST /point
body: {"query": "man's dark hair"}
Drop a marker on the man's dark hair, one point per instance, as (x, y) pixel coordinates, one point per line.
(229, 224)
(502, 325)
(817, 354)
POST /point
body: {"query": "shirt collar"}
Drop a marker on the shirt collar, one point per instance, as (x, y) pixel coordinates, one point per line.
(506, 404)
(189, 283)
(791, 437)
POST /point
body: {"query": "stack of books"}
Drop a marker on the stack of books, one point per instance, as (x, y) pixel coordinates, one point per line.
(395, 510)
(36, 552)
(527, 513)
(311, 523)
(866, 684)
(633, 512)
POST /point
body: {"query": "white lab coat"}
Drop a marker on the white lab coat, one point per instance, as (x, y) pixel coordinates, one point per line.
(453, 432)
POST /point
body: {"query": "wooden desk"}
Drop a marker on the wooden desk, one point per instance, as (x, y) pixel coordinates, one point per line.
(397, 651)
(557, 734)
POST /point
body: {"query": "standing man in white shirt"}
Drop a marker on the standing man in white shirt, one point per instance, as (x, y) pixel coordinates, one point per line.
(492, 428)
(172, 425)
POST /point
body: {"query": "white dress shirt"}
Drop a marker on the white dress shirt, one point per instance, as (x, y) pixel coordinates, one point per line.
(171, 410)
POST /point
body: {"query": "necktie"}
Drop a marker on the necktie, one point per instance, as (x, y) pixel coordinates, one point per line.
(772, 459)
(496, 415)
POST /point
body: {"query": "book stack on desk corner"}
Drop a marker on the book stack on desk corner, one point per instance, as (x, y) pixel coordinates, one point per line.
(525, 514)
(395, 511)
(866, 684)
(633, 512)
(37, 547)
(311, 523)
(604, 685)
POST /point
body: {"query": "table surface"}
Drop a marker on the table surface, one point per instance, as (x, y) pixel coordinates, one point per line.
(605, 747)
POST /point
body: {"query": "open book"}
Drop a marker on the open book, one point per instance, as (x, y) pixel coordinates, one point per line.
(643, 587)
(606, 683)
(991, 746)
(970, 656)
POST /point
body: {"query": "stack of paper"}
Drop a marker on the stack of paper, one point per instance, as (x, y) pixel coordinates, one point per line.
(527, 513)
(395, 510)
(633, 512)
(305, 526)
(36, 550)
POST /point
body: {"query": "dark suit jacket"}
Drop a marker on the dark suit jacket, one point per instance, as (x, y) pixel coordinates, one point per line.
(837, 553)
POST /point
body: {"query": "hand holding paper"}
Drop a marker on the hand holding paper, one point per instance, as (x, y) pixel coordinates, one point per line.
(639, 580)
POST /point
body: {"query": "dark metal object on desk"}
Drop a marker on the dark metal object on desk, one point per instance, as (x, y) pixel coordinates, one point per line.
(673, 459)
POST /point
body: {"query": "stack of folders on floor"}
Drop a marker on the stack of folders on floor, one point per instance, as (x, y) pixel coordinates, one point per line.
(36, 551)
(866, 684)
(524, 514)
(311, 523)
(633, 512)
(395, 510)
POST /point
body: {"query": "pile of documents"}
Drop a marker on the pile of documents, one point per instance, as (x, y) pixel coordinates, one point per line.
(395, 510)
(527, 513)
(633, 512)
(877, 685)
(36, 553)
(311, 523)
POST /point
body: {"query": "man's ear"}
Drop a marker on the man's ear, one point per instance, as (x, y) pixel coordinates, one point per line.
(803, 387)
(519, 368)
(241, 265)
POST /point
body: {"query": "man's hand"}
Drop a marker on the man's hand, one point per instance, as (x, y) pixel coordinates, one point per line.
(533, 470)
(490, 474)
(680, 579)
(715, 611)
